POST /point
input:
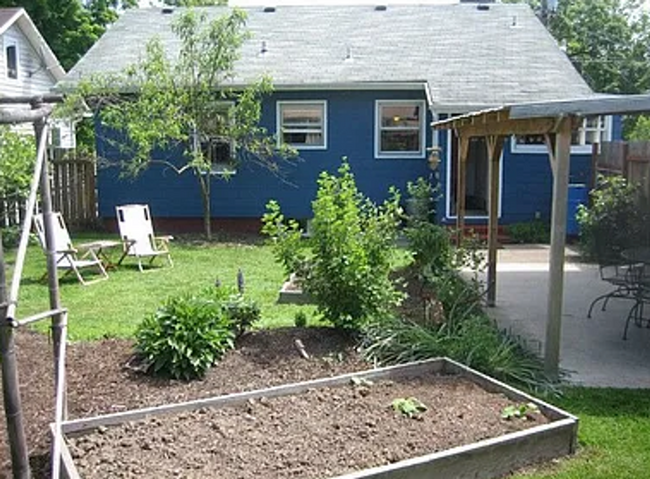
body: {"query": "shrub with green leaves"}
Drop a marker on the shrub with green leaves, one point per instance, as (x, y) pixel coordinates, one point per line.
(616, 219)
(352, 241)
(189, 333)
(285, 237)
(536, 231)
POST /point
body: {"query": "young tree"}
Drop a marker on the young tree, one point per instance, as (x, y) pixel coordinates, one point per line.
(187, 102)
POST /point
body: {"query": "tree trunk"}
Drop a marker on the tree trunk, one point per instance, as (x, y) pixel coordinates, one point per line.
(204, 182)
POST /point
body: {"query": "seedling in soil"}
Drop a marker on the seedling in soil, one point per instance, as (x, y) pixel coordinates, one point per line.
(522, 411)
(409, 407)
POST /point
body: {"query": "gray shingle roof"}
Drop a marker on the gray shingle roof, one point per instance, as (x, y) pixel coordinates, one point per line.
(469, 57)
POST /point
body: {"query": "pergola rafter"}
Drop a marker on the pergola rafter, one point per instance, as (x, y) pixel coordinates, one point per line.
(556, 121)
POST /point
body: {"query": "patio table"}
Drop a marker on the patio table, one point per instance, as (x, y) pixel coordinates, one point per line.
(101, 249)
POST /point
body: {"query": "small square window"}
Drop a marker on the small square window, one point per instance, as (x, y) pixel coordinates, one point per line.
(11, 58)
(302, 124)
(216, 146)
(400, 129)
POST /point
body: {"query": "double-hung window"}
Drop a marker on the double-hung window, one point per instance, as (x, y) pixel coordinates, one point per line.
(303, 124)
(400, 129)
(11, 59)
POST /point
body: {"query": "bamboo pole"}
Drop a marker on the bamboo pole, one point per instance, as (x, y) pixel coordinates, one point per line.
(58, 320)
(60, 405)
(11, 385)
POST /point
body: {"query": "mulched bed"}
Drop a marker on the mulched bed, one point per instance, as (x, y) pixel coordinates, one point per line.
(98, 382)
(320, 433)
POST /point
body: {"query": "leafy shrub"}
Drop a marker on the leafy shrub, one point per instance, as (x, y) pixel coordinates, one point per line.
(352, 240)
(615, 219)
(536, 231)
(189, 333)
(300, 319)
(10, 237)
(286, 239)
(242, 312)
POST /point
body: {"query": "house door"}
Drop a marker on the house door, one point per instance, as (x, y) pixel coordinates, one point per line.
(477, 186)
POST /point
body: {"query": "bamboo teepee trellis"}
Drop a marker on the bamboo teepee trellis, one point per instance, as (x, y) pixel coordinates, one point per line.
(38, 115)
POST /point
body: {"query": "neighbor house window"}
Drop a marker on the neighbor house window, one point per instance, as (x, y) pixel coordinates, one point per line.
(400, 129)
(303, 124)
(11, 59)
(217, 147)
(595, 129)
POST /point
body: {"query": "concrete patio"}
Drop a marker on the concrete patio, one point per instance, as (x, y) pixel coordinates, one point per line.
(593, 352)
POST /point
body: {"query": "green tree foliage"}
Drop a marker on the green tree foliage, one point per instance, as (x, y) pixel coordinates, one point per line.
(186, 103)
(17, 156)
(607, 41)
(71, 27)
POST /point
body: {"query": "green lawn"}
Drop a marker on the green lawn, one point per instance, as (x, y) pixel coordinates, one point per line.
(614, 436)
(114, 307)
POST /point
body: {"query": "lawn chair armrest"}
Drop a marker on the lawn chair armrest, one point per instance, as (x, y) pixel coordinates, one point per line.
(163, 241)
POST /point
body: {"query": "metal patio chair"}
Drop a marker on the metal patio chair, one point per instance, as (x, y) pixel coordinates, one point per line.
(136, 232)
(68, 258)
(615, 270)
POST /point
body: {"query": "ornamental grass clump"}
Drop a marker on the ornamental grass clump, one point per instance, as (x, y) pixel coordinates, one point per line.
(190, 332)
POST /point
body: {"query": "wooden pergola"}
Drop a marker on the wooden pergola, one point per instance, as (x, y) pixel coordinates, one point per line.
(556, 121)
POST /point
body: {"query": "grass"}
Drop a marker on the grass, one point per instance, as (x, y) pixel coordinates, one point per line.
(614, 436)
(114, 307)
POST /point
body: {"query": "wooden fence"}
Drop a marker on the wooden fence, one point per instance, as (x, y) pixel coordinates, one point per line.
(73, 193)
(630, 159)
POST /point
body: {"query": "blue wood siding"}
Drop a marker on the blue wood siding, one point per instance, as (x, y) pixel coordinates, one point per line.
(351, 133)
(526, 188)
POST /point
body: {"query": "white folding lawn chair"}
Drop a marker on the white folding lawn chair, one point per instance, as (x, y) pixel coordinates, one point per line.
(136, 232)
(68, 257)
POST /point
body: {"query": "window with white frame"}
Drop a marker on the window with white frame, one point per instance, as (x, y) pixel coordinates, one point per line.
(303, 124)
(216, 145)
(11, 59)
(399, 129)
(594, 129)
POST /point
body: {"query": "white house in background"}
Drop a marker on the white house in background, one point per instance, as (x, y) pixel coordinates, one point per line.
(27, 64)
(28, 67)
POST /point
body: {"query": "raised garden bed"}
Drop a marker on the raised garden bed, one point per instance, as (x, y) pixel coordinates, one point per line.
(292, 293)
(342, 427)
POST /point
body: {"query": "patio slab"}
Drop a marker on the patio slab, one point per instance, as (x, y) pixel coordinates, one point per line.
(592, 352)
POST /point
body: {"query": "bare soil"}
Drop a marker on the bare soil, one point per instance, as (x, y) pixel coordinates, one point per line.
(321, 433)
(99, 383)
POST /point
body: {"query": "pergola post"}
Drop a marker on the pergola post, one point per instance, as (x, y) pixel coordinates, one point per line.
(560, 166)
(461, 182)
(494, 146)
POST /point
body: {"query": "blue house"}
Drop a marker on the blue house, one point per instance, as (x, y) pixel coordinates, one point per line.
(365, 82)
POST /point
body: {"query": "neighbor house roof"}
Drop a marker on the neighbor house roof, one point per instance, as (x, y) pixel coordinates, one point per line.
(11, 16)
(468, 56)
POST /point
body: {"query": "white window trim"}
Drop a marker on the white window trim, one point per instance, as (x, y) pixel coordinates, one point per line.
(575, 149)
(279, 124)
(448, 214)
(8, 43)
(423, 137)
